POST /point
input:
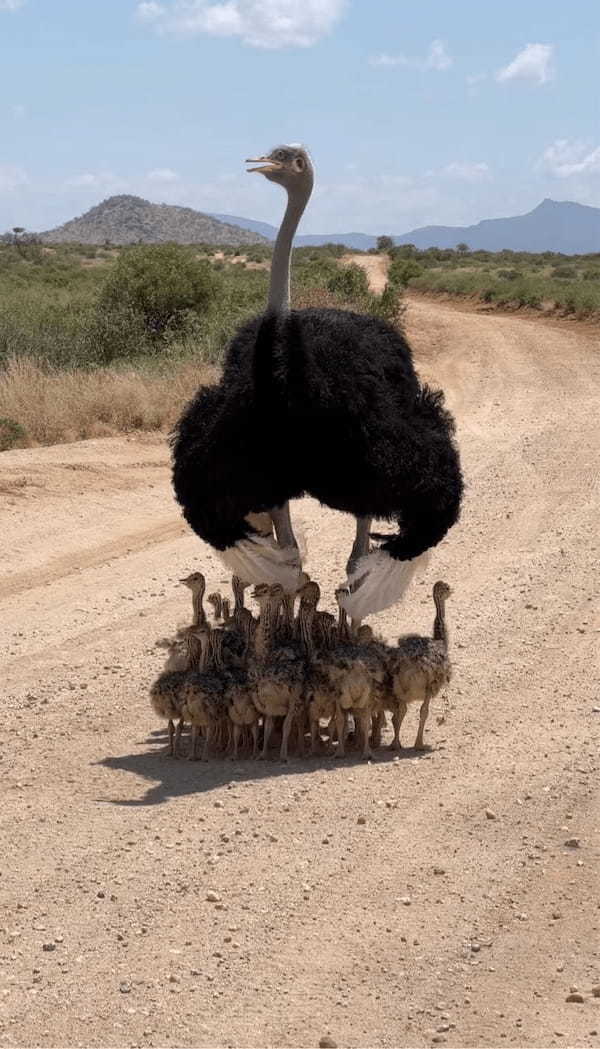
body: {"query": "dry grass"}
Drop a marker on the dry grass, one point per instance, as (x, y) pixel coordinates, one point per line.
(55, 406)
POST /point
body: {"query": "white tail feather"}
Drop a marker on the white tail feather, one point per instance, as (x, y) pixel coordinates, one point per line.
(261, 560)
(378, 582)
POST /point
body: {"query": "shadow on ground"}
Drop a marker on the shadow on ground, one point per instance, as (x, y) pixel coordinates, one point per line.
(178, 777)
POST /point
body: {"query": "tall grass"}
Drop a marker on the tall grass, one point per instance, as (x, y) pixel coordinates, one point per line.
(78, 360)
(51, 406)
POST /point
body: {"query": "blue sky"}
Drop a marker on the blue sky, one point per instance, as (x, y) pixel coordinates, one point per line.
(437, 112)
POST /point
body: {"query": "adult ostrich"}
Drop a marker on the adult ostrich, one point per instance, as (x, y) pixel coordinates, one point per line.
(324, 402)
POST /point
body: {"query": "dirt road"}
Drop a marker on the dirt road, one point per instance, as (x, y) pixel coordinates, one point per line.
(454, 911)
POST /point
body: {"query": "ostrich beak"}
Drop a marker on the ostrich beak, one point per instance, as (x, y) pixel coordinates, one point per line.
(266, 163)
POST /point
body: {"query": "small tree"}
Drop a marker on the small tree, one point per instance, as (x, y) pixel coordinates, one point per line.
(384, 245)
(160, 283)
(462, 248)
(17, 232)
(402, 270)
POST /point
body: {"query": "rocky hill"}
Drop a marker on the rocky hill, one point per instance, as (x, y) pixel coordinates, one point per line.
(127, 220)
(554, 225)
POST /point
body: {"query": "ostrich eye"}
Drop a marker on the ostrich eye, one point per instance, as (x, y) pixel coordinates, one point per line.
(299, 163)
(280, 155)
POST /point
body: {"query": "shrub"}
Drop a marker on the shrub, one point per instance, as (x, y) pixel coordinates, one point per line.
(402, 270)
(161, 283)
(389, 305)
(562, 272)
(350, 282)
(12, 435)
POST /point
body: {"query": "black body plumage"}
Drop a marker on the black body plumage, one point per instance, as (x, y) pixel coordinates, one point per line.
(321, 402)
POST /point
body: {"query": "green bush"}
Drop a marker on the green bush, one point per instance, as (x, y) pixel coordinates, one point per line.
(389, 305)
(161, 283)
(350, 282)
(562, 272)
(403, 270)
(12, 435)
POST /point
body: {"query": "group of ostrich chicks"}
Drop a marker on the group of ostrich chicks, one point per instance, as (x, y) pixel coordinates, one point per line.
(296, 669)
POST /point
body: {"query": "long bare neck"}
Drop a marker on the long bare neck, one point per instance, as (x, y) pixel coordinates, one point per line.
(217, 649)
(342, 624)
(279, 287)
(196, 652)
(305, 621)
(263, 639)
(440, 630)
(238, 594)
(287, 608)
(198, 608)
(205, 653)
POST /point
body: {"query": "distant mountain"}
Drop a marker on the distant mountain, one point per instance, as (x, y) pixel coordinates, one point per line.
(263, 228)
(560, 226)
(127, 220)
(357, 241)
(564, 226)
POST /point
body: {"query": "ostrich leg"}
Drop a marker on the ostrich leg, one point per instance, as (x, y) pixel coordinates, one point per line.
(360, 548)
(282, 523)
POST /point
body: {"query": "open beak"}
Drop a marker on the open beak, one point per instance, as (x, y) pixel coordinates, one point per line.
(266, 165)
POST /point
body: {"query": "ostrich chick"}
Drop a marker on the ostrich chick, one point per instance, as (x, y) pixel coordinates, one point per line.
(276, 679)
(167, 692)
(203, 696)
(420, 667)
(197, 584)
(216, 602)
(356, 677)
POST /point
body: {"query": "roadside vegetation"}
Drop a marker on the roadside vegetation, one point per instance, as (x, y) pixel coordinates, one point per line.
(100, 340)
(565, 284)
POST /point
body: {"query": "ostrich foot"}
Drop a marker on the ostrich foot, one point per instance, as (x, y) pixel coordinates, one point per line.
(420, 745)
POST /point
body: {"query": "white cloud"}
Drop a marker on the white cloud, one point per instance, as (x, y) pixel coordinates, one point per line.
(104, 181)
(534, 62)
(12, 178)
(11, 5)
(259, 23)
(162, 175)
(467, 172)
(149, 11)
(437, 58)
(564, 158)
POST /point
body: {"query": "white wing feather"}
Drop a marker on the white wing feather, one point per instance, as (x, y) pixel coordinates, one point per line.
(261, 560)
(378, 582)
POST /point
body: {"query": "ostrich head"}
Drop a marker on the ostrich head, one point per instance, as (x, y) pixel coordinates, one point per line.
(441, 590)
(289, 166)
(195, 582)
(310, 595)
